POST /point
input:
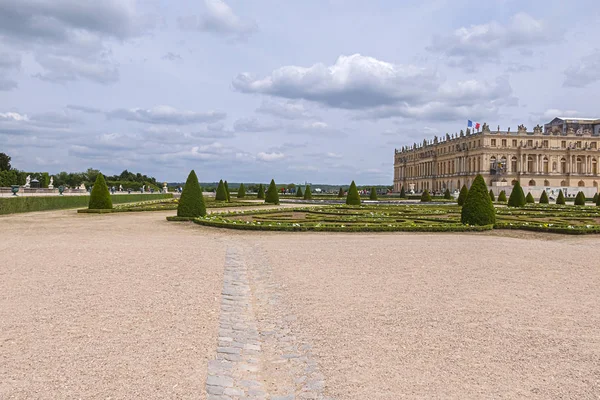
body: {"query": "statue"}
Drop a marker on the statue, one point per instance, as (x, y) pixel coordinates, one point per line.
(120, 188)
(485, 127)
(498, 128)
(447, 136)
(508, 131)
(82, 186)
(435, 140)
(28, 181)
(522, 129)
(165, 190)
(51, 184)
(537, 129)
(462, 133)
(468, 131)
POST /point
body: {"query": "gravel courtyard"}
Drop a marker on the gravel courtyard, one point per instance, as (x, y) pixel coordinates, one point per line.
(130, 306)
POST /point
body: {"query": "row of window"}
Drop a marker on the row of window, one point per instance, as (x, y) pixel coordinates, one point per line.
(563, 144)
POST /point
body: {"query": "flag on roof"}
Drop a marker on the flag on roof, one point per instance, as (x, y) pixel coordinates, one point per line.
(469, 123)
(477, 125)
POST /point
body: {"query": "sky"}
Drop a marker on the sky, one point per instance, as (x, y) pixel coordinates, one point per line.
(314, 90)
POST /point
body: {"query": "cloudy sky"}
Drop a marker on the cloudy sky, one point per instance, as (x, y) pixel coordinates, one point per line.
(315, 90)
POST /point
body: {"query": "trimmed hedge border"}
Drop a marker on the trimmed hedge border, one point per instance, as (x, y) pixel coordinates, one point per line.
(180, 219)
(13, 205)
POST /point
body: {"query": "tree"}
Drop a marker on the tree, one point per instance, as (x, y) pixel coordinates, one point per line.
(492, 196)
(241, 192)
(402, 193)
(517, 197)
(341, 193)
(260, 192)
(598, 200)
(272, 196)
(191, 203)
(544, 198)
(100, 197)
(221, 194)
(529, 199)
(299, 192)
(478, 208)
(561, 198)
(91, 174)
(462, 196)
(447, 194)
(502, 196)
(307, 193)
(227, 191)
(5, 162)
(595, 198)
(373, 194)
(353, 198)
(580, 199)
(425, 197)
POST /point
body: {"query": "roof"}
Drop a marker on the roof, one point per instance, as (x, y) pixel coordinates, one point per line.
(579, 119)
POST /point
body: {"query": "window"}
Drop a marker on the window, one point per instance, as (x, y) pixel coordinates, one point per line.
(545, 143)
(514, 143)
(513, 164)
(563, 144)
(530, 143)
(503, 142)
(593, 145)
(494, 142)
(479, 143)
(578, 144)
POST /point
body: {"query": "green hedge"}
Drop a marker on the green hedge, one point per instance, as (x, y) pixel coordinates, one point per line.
(11, 205)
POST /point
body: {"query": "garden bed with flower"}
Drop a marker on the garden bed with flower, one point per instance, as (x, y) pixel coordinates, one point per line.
(166, 205)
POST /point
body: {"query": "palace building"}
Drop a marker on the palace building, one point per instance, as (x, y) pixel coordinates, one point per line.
(563, 154)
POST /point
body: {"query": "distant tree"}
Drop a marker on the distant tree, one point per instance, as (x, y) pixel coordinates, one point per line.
(373, 194)
(517, 197)
(241, 192)
(307, 193)
(425, 196)
(5, 162)
(502, 197)
(260, 192)
(221, 194)
(478, 208)
(299, 192)
(191, 204)
(492, 195)
(462, 196)
(272, 195)
(227, 191)
(402, 193)
(353, 198)
(561, 198)
(341, 193)
(91, 174)
(529, 199)
(544, 198)
(100, 197)
(580, 199)
(447, 194)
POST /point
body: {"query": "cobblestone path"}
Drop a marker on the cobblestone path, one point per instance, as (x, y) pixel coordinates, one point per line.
(258, 355)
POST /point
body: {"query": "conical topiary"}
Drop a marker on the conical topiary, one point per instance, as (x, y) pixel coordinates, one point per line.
(341, 193)
(462, 196)
(100, 197)
(595, 198)
(580, 199)
(221, 194)
(227, 191)
(492, 195)
(544, 198)
(272, 195)
(517, 197)
(425, 197)
(529, 199)
(260, 192)
(241, 191)
(191, 203)
(402, 193)
(598, 200)
(561, 198)
(299, 192)
(478, 208)
(502, 196)
(307, 193)
(373, 194)
(353, 198)
(447, 194)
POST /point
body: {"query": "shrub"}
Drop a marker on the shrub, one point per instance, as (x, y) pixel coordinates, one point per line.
(598, 200)
(260, 192)
(191, 204)
(373, 194)
(492, 196)
(425, 197)
(561, 198)
(272, 195)
(478, 208)
(462, 196)
(580, 199)
(529, 199)
(299, 192)
(221, 194)
(227, 191)
(353, 198)
(517, 197)
(307, 193)
(502, 196)
(447, 194)
(100, 197)
(544, 198)
(241, 192)
(595, 198)
(402, 193)
(341, 193)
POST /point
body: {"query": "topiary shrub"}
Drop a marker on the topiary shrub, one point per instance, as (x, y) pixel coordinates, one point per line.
(100, 197)
(544, 198)
(299, 192)
(598, 200)
(425, 197)
(517, 197)
(221, 194)
(373, 194)
(478, 208)
(241, 192)
(580, 199)
(529, 199)
(353, 198)
(260, 192)
(191, 204)
(447, 194)
(341, 193)
(402, 193)
(502, 196)
(595, 198)
(227, 191)
(492, 196)
(272, 195)
(561, 198)
(307, 193)
(462, 196)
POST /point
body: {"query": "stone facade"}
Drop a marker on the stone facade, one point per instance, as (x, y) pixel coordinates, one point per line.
(565, 153)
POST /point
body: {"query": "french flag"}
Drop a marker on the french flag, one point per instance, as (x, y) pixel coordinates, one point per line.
(470, 124)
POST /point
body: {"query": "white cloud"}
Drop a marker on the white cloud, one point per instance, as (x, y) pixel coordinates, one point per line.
(270, 156)
(60, 69)
(286, 110)
(585, 72)
(220, 19)
(13, 116)
(166, 115)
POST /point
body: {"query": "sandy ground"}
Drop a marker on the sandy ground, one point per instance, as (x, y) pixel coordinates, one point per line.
(127, 305)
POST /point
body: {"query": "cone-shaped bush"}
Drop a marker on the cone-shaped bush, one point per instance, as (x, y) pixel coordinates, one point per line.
(561, 198)
(353, 198)
(100, 197)
(462, 196)
(492, 195)
(241, 191)
(529, 199)
(227, 191)
(260, 192)
(447, 194)
(373, 194)
(402, 193)
(598, 200)
(341, 193)
(425, 197)
(191, 203)
(307, 193)
(502, 197)
(478, 208)
(299, 192)
(221, 194)
(544, 198)
(580, 199)
(272, 195)
(517, 197)
(595, 198)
